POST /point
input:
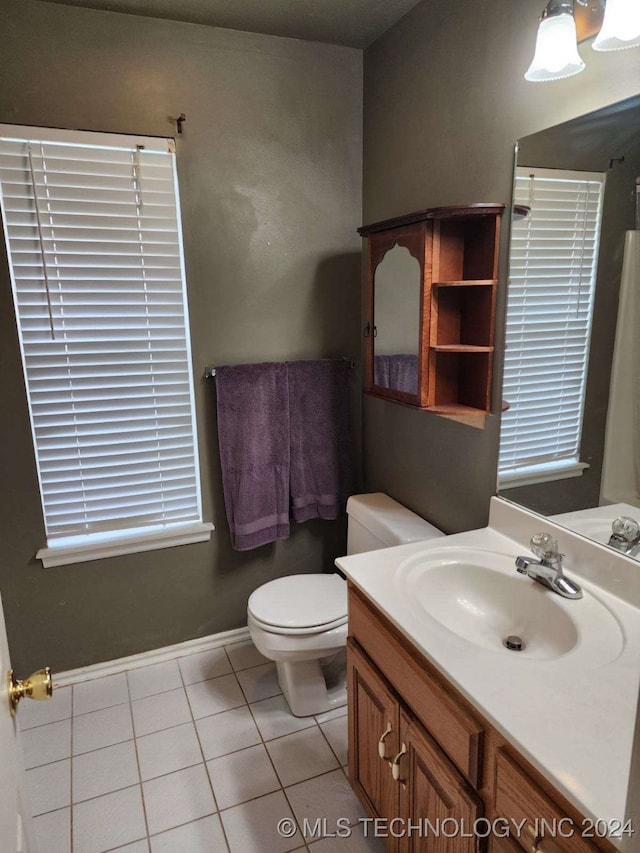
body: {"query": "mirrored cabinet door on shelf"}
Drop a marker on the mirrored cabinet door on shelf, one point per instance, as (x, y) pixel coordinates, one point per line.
(432, 280)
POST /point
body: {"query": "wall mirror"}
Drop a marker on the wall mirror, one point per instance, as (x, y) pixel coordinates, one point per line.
(397, 288)
(397, 261)
(570, 438)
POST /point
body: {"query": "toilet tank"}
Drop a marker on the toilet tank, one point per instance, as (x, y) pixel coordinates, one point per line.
(377, 521)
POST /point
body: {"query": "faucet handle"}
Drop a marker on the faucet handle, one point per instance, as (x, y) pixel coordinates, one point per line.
(544, 546)
(626, 528)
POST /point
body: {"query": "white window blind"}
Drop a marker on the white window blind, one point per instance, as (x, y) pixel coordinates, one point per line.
(92, 227)
(553, 262)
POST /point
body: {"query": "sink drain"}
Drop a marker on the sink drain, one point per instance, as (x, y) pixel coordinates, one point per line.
(513, 643)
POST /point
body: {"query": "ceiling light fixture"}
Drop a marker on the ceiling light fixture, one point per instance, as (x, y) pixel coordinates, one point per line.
(556, 54)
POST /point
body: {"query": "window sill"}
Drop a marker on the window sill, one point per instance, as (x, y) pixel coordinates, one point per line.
(183, 535)
(542, 474)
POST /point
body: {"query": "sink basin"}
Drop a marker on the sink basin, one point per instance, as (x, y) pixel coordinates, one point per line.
(478, 596)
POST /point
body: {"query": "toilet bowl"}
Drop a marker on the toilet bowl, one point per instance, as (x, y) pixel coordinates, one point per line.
(306, 628)
(300, 621)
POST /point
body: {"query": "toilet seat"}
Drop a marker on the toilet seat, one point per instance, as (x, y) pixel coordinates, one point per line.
(314, 629)
(300, 604)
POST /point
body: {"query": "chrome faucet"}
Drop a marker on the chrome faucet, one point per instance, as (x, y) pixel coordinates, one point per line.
(625, 536)
(548, 569)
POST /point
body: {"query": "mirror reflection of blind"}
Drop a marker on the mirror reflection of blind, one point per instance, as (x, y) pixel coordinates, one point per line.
(92, 227)
(552, 275)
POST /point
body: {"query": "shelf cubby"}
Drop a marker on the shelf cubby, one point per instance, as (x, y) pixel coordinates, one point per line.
(461, 382)
(462, 315)
(464, 248)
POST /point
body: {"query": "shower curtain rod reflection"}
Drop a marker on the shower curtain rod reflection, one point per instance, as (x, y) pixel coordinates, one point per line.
(210, 370)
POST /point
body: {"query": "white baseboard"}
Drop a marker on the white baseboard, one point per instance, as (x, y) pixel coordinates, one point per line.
(111, 667)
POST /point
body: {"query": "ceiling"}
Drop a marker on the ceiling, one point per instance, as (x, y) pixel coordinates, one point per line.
(355, 23)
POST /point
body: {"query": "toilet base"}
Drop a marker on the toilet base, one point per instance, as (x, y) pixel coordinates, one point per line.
(305, 688)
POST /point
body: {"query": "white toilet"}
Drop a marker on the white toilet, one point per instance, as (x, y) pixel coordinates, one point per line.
(300, 621)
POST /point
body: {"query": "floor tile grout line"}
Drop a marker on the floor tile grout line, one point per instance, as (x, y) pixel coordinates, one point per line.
(106, 746)
(329, 743)
(126, 787)
(135, 747)
(98, 749)
(286, 734)
(116, 791)
(315, 776)
(332, 718)
(186, 684)
(166, 729)
(111, 705)
(154, 692)
(282, 788)
(259, 796)
(156, 695)
(186, 823)
(242, 668)
(264, 745)
(24, 729)
(47, 763)
(98, 710)
(204, 761)
(120, 846)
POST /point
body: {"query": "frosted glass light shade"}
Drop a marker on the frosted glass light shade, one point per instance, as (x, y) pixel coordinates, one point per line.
(556, 53)
(621, 26)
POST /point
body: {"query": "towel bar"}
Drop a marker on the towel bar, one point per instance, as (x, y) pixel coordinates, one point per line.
(210, 371)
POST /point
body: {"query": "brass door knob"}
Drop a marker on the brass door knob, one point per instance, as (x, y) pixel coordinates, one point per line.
(39, 685)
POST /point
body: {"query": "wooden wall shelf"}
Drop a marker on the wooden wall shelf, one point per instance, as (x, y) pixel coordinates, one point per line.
(480, 282)
(459, 348)
(456, 249)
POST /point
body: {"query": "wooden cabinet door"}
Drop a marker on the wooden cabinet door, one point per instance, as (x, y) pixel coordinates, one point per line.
(374, 718)
(432, 789)
(518, 797)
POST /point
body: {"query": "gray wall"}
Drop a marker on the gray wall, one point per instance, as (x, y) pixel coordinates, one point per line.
(270, 181)
(444, 102)
(589, 144)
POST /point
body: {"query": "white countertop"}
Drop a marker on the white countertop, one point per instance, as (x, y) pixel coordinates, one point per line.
(573, 720)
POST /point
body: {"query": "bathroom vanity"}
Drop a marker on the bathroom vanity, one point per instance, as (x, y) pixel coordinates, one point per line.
(503, 751)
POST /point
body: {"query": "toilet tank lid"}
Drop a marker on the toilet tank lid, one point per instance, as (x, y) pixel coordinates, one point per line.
(388, 520)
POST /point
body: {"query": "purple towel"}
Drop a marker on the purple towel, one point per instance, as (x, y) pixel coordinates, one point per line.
(253, 433)
(381, 371)
(320, 438)
(397, 372)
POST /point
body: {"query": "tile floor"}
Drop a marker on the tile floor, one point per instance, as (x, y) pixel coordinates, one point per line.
(194, 755)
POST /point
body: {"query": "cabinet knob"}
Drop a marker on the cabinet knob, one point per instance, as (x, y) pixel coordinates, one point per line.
(382, 752)
(395, 764)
